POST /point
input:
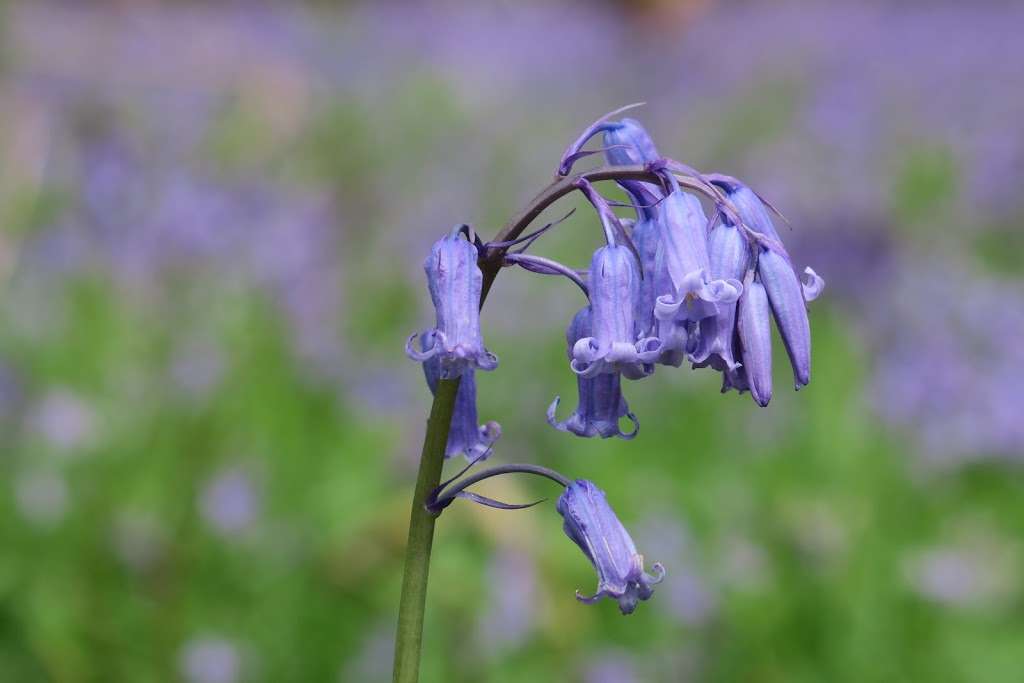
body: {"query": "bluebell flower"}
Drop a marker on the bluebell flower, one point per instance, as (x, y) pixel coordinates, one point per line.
(465, 436)
(786, 295)
(729, 257)
(684, 239)
(601, 403)
(615, 344)
(455, 282)
(593, 526)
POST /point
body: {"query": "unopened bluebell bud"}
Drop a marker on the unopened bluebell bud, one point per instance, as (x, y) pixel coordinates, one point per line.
(755, 337)
(455, 282)
(591, 523)
(628, 143)
(601, 403)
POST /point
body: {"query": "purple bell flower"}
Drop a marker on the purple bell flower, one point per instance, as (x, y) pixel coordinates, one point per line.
(593, 526)
(683, 235)
(465, 436)
(601, 402)
(787, 296)
(616, 345)
(729, 256)
(455, 282)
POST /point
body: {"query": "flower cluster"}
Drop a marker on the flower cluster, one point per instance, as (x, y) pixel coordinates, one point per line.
(671, 286)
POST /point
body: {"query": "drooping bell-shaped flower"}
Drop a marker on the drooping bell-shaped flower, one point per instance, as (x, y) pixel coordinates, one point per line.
(601, 403)
(729, 257)
(615, 344)
(684, 238)
(787, 296)
(465, 436)
(591, 523)
(455, 282)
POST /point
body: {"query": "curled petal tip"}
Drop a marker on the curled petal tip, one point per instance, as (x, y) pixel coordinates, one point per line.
(588, 599)
(813, 285)
(636, 428)
(427, 353)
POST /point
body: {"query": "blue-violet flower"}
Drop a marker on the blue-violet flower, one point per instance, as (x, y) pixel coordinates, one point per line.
(593, 526)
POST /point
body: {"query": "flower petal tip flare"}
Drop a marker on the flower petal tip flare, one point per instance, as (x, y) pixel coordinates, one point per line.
(593, 526)
(601, 403)
(455, 283)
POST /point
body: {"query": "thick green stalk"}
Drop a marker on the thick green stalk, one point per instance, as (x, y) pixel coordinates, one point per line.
(421, 536)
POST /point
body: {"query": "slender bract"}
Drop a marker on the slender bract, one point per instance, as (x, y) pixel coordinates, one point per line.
(591, 523)
(601, 403)
(455, 283)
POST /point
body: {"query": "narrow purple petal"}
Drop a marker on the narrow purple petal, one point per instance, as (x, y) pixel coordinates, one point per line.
(787, 303)
(754, 325)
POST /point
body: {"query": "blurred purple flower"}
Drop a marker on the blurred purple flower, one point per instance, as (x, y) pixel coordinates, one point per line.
(210, 659)
(510, 615)
(611, 667)
(231, 501)
(65, 421)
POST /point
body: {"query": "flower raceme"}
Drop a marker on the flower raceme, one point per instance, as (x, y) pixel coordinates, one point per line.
(667, 288)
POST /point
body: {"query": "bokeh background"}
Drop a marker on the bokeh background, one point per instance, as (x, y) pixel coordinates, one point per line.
(212, 223)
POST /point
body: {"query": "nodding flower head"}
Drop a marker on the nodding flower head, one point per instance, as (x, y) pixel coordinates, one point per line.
(465, 436)
(455, 282)
(601, 403)
(615, 344)
(787, 296)
(683, 237)
(593, 526)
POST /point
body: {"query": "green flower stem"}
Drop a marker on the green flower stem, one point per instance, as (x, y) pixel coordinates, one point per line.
(421, 536)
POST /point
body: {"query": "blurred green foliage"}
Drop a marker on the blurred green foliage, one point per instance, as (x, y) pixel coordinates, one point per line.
(805, 520)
